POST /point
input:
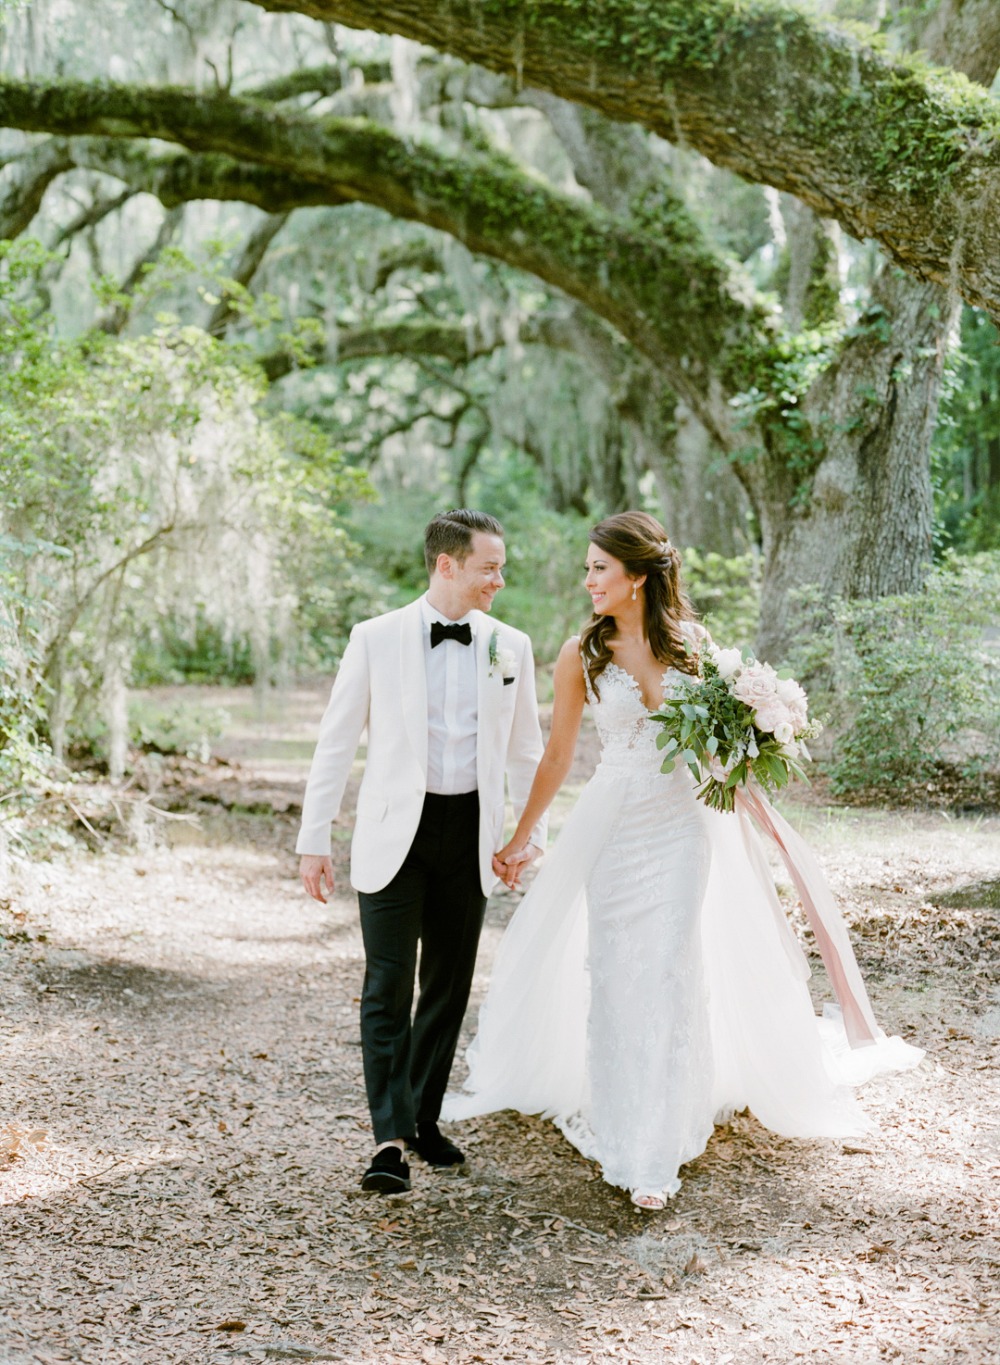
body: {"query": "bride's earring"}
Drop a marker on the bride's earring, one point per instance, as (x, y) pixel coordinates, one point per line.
(633, 592)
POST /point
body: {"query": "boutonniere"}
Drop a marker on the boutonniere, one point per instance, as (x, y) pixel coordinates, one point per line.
(504, 659)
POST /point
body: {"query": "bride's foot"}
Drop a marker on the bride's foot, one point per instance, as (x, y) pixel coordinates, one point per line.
(650, 1201)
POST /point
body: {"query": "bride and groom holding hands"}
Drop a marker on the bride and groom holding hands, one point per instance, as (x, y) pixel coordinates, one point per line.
(648, 985)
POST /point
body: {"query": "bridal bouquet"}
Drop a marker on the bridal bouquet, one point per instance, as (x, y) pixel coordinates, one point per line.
(737, 718)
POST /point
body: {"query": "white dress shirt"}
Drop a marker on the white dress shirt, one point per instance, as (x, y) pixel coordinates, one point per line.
(452, 709)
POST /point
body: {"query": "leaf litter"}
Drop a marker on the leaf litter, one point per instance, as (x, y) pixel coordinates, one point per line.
(182, 1132)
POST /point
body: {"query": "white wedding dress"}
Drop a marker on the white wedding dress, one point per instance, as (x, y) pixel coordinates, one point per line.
(649, 985)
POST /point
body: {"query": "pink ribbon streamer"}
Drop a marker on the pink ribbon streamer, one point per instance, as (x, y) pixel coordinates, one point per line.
(824, 918)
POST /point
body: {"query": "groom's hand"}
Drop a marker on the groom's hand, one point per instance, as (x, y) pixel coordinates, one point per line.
(509, 863)
(314, 871)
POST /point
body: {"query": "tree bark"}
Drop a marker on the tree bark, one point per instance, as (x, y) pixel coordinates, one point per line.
(866, 528)
(965, 34)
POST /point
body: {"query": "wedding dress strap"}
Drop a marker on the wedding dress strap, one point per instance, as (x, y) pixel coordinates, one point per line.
(824, 918)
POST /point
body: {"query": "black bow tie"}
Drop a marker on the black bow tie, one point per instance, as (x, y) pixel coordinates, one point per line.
(463, 633)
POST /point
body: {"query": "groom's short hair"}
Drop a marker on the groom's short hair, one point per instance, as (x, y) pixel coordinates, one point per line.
(450, 533)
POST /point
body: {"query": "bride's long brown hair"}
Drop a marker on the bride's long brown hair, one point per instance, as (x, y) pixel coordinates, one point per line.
(640, 543)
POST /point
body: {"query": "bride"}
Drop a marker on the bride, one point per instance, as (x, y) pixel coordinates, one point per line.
(649, 984)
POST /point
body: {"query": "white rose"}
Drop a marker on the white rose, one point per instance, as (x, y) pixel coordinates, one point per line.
(770, 714)
(784, 733)
(727, 661)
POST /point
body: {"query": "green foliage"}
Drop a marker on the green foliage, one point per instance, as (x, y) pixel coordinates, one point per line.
(344, 592)
(782, 374)
(912, 680)
(725, 592)
(546, 553)
(545, 549)
(194, 652)
(966, 450)
(391, 536)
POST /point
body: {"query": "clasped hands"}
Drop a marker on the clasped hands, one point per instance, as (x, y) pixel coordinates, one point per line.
(511, 860)
(317, 872)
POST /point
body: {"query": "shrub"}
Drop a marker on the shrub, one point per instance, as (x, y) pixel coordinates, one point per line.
(912, 680)
(725, 592)
(24, 757)
(176, 727)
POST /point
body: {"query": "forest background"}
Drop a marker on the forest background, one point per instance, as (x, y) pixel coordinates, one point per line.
(276, 287)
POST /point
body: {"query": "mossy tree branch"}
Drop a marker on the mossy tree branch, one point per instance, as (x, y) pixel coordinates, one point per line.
(315, 80)
(177, 178)
(656, 279)
(34, 172)
(896, 151)
(420, 336)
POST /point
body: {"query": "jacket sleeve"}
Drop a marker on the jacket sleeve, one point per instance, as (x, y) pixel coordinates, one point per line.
(340, 733)
(526, 743)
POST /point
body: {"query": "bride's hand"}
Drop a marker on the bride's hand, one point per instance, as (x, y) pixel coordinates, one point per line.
(511, 860)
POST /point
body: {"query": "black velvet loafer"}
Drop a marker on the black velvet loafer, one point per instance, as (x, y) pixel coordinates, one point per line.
(388, 1173)
(431, 1144)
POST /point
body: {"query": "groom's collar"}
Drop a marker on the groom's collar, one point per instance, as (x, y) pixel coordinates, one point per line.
(430, 614)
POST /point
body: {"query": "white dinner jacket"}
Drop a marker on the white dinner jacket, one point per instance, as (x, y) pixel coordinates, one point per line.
(381, 686)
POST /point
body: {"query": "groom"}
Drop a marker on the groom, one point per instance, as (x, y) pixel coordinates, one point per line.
(448, 701)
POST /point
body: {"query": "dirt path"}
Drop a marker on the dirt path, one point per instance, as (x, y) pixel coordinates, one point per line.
(182, 1131)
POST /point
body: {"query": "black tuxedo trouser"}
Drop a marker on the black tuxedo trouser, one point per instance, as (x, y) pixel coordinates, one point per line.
(435, 901)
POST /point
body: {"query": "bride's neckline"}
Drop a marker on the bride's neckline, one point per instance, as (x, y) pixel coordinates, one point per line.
(635, 684)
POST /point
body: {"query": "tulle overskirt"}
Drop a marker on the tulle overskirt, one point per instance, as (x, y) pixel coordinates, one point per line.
(649, 984)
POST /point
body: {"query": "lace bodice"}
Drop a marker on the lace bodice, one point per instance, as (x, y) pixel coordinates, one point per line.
(626, 730)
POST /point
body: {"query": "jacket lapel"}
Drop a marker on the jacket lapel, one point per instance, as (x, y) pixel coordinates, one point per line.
(413, 680)
(488, 697)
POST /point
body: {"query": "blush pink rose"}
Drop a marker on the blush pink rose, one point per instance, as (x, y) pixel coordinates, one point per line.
(756, 684)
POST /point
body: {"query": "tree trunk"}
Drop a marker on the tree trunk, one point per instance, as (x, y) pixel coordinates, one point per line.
(965, 34)
(866, 531)
(706, 506)
(866, 528)
(702, 503)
